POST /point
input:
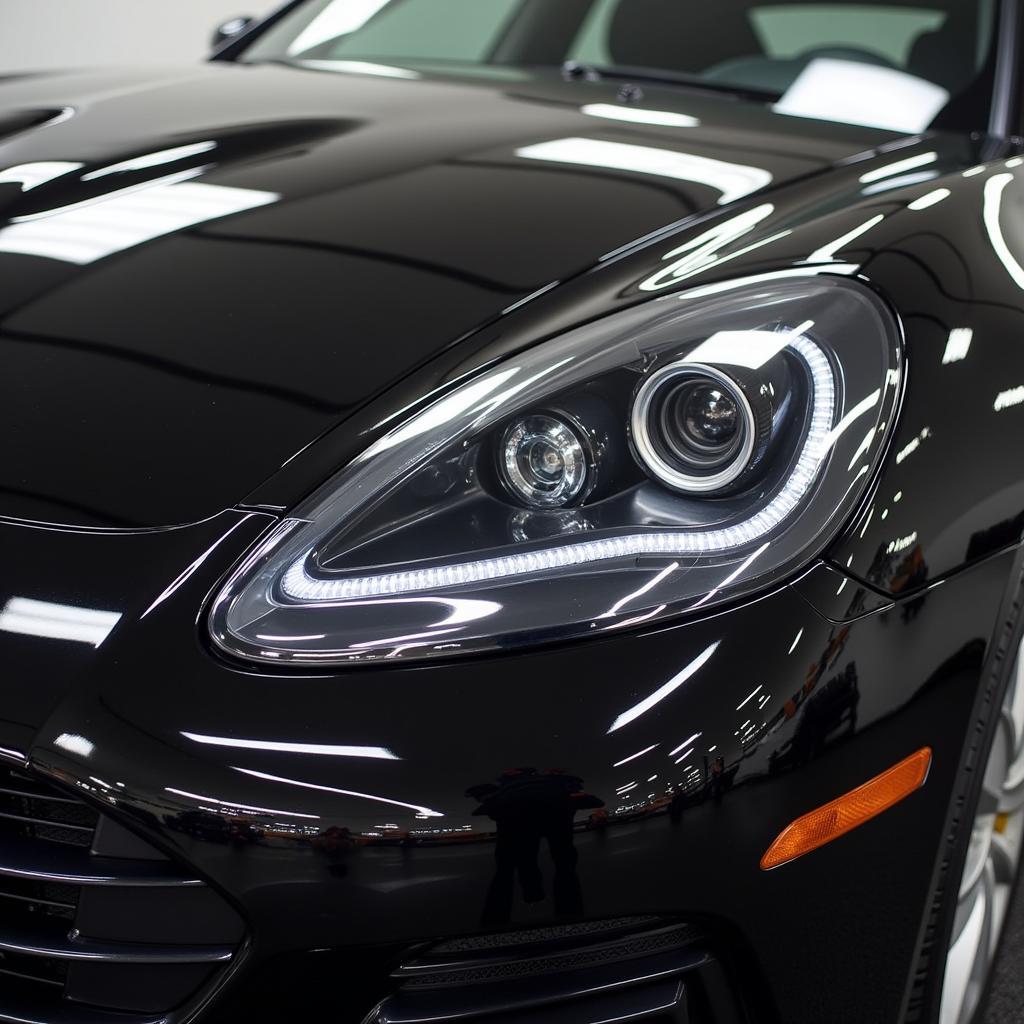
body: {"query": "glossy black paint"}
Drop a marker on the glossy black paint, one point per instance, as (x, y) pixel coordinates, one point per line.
(268, 326)
(216, 375)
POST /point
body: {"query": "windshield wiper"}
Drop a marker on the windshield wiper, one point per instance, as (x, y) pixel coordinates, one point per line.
(574, 70)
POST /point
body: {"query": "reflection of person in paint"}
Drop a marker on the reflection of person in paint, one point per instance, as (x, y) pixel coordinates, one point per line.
(529, 806)
(718, 779)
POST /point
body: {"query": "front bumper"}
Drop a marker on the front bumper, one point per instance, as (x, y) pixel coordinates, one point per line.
(342, 866)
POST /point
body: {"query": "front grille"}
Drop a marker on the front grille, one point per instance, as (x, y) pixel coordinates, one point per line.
(37, 899)
(34, 969)
(638, 969)
(551, 937)
(96, 926)
(563, 961)
(29, 810)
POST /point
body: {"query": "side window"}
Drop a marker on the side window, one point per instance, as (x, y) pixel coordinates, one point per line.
(789, 30)
(430, 29)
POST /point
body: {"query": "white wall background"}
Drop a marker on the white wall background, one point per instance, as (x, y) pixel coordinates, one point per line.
(40, 34)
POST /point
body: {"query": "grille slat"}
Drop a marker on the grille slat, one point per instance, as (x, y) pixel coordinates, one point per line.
(638, 976)
(88, 829)
(30, 811)
(60, 900)
(18, 1007)
(36, 795)
(36, 900)
(47, 860)
(53, 862)
(25, 975)
(25, 940)
(27, 781)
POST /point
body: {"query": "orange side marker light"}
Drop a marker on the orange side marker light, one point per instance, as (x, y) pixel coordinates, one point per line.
(850, 811)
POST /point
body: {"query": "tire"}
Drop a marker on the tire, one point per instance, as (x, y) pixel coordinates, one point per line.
(992, 863)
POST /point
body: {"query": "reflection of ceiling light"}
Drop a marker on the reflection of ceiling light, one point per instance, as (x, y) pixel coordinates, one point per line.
(930, 199)
(329, 750)
(170, 179)
(889, 170)
(994, 188)
(87, 232)
(1008, 399)
(958, 346)
(901, 544)
(661, 117)
(424, 812)
(633, 757)
(75, 744)
(30, 176)
(232, 807)
(685, 743)
(828, 252)
(664, 691)
(337, 19)
(745, 702)
(751, 349)
(65, 114)
(902, 181)
(853, 93)
(734, 181)
(360, 67)
(658, 578)
(140, 163)
(57, 621)
(905, 453)
(704, 250)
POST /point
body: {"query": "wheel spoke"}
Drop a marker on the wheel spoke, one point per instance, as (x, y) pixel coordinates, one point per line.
(962, 959)
(986, 949)
(1003, 858)
(1014, 730)
(1011, 801)
(977, 853)
(991, 865)
(995, 771)
(1015, 708)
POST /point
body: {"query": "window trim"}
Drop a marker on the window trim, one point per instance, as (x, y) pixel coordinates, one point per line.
(237, 45)
(1004, 119)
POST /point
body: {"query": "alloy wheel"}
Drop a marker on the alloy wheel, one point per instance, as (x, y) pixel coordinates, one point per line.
(993, 859)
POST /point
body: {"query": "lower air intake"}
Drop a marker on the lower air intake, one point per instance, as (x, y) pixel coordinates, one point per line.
(662, 973)
(96, 927)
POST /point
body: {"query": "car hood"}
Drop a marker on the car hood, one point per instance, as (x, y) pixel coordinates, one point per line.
(203, 270)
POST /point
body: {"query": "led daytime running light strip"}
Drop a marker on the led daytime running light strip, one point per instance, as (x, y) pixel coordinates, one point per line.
(301, 587)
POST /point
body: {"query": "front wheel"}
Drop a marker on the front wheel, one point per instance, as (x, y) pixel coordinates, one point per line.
(993, 861)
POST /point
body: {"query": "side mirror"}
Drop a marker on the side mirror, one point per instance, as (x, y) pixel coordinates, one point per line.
(230, 29)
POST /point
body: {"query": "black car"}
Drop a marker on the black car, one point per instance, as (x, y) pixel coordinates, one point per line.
(511, 511)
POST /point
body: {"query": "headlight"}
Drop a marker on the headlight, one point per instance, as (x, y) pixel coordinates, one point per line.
(694, 428)
(663, 459)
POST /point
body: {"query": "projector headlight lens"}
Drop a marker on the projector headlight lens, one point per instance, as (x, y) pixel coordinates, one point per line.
(663, 459)
(693, 428)
(544, 462)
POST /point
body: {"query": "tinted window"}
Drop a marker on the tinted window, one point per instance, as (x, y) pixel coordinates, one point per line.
(897, 65)
(788, 30)
(457, 30)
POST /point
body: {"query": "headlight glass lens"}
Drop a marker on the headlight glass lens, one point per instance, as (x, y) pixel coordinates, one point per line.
(693, 428)
(664, 459)
(544, 463)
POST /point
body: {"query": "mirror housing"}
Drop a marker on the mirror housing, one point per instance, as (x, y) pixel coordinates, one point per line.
(230, 30)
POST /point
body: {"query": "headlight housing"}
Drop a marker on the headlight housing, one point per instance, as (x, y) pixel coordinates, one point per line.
(661, 460)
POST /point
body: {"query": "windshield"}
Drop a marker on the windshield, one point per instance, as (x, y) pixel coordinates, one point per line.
(895, 65)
